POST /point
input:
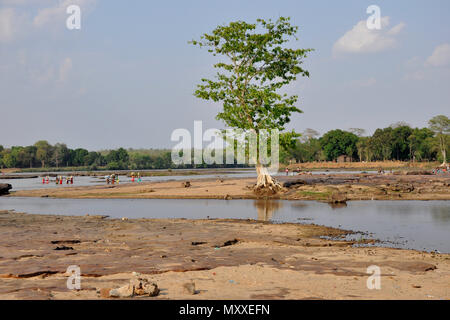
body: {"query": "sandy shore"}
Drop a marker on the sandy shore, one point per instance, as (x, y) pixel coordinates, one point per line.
(337, 187)
(225, 259)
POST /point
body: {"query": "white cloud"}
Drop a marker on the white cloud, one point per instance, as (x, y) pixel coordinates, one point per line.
(16, 21)
(396, 29)
(361, 39)
(418, 70)
(440, 56)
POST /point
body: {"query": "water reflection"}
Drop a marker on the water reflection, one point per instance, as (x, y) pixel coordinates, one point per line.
(337, 205)
(441, 214)
(422, 225)
(266, 208)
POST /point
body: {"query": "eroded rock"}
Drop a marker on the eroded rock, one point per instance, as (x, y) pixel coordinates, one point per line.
(186, 184)
(338, 197)
(136, 287)
(4, 188)
(189, 288)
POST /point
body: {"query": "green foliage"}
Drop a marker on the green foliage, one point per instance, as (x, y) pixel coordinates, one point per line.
(307, 151)
(43, 152)
(119, 155)
(116, 165)
(254, 65)
(440, 125)
(400, 145)
(396, 142)
(418, 144)
(338, 142)
(421, 144)
(381, 144)
(288, 142)
(79, 156)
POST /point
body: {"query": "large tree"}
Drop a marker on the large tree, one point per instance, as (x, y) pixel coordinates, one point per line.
(440, 125)
(43, 152)
(254, 65)
(337, 142)
(381, 144)
(400, 145)
(61, 154)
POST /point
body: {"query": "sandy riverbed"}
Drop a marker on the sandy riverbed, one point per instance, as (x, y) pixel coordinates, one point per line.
(226, 259)
(304, 187)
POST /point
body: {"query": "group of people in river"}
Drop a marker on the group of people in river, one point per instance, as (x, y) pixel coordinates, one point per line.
(58, 180)
(297, 171)
(114, 178)
(442, 169)
(136, 177)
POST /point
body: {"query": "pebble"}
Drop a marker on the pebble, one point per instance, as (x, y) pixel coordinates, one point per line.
(189, 287)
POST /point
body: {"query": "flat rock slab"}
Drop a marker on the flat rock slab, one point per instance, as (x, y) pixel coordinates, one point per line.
(302, 187)
(105, 249)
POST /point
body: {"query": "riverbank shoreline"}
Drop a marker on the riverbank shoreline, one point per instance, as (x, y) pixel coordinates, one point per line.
(224, 258)
(310, 166)
(335, 188)
(22, 174)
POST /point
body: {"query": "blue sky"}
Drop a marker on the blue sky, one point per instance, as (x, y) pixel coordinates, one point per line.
(127, 77)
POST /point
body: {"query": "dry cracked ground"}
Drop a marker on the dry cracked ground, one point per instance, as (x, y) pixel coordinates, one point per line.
(215, 259)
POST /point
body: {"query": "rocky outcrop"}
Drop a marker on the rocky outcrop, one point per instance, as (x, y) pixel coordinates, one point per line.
(294, 183)
(4, 188)
(419, 172)
(338, 197)
(136, 287)
(186, 184)
(401, 187)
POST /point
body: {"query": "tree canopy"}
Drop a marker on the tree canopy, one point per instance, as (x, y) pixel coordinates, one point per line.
(255, 64)
(338, 142)
(440, 125)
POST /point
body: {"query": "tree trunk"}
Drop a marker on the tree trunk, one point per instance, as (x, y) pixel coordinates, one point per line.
(444, 152)
(265, 184)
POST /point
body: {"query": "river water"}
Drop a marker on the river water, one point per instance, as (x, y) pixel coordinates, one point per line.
(420, 225)
(79, 181)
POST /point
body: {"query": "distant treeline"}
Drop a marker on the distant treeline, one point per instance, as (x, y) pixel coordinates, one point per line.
(396, 142)
(44, 155)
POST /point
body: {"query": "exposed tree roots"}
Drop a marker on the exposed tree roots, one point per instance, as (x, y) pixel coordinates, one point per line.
(265, 184)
